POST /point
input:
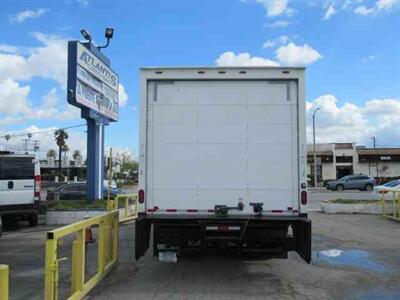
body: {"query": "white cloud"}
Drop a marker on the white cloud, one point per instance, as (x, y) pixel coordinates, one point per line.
(119, 152)
(369, 58)
(330, 12)
(363, 10)
(83, 2)
(47, 61)
(21, 110)
(275, 8)
(76, 140)
(282, 40)
(380, 5)
(8, 48)
(278, 24)
(294, 55)
(288, 55)
(386, 4)
(243, 59)
(354, 123)
(122, 95)
(13, 97)
(28, 14)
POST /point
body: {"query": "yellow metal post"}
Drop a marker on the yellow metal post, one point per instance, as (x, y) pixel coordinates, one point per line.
(51, 269)
(78, 262)
(126, 206)
(101, 246)
(115, 238)
(4, 273)
(109, 179)
(398, 205)
(383, 204)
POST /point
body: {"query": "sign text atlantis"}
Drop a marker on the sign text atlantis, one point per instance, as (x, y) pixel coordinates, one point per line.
(94, 84)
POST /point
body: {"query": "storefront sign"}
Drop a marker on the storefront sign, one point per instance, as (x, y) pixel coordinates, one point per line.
(91, 82)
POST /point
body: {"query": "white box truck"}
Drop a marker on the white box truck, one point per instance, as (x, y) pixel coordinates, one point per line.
(222, 161)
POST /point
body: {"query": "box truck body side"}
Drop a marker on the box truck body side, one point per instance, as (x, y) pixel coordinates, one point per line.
(222, 160)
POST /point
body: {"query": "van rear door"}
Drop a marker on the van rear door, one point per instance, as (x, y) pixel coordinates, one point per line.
(16, 180)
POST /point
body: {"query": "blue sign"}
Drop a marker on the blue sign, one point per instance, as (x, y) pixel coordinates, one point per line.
(91, 82)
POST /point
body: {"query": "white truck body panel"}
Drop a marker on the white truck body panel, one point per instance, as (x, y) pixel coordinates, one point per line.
(17, 184)
(220, 136)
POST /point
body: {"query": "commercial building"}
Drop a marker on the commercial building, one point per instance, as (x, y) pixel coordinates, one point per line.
(70, 168)
(335, 160)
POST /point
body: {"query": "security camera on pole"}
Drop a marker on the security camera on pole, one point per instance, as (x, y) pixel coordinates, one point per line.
(93, 87)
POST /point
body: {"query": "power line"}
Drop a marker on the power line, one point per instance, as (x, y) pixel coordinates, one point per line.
(8, 136)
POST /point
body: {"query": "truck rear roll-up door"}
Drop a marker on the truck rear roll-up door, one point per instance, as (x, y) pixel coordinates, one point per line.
(216, 142)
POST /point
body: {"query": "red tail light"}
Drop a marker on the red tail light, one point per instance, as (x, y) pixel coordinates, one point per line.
(303, 198)
(141, 196)
(37, 186)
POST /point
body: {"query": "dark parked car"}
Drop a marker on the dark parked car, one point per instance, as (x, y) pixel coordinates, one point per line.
(75, 191)
(352, 182)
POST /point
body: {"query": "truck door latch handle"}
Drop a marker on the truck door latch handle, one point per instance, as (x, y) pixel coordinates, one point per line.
(257, 207)
(223, 209)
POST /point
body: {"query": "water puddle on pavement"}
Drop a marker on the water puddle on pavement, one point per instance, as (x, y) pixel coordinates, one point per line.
(381, 294)
(356, 258)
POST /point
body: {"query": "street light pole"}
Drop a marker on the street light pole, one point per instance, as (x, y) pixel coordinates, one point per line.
(315, 153)
(377, 160)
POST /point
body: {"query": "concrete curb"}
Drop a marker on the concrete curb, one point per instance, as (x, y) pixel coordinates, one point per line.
(356, 208)
(65, 217)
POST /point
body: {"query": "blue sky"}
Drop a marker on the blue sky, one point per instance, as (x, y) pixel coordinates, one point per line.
(351, 49)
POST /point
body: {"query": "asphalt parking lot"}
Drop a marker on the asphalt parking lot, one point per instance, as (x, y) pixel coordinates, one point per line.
(354, 257)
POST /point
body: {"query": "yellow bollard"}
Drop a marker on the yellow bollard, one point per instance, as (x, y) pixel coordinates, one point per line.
(4, 272)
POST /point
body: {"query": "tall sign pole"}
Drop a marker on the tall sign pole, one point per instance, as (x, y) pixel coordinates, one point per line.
(93, 87)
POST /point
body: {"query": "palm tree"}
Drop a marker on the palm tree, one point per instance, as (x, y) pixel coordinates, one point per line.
(60, 135)
(65, 149)
(76, 154)
(52, 153)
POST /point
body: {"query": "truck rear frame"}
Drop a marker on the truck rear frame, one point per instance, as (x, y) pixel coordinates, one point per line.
(253, 226)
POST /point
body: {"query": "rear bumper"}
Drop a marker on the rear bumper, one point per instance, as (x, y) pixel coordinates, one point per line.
(262, 237)
(20, 209)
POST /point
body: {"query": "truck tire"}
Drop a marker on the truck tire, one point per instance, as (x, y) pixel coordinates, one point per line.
(369, 187)
(33, 220)
(340, 187)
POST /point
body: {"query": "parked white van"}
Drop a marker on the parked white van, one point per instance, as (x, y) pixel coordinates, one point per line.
(19, 187)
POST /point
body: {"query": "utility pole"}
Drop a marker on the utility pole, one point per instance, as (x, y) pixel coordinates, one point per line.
(35, 145)
(315, 153)
(26, 142)
(377, 160)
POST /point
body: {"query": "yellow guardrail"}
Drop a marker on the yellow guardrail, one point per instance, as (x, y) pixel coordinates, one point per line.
(4, 273)
(130, 209)
(107, 239)
(395, 193)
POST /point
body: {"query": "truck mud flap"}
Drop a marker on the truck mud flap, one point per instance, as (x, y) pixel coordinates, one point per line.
(142, 237)
(302, 233)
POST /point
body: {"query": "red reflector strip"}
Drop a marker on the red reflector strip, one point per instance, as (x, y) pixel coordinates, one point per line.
(210, 210)
(289, 208)
(191, 210)
(212, 228)
(171, 210)
(295, 210)
(151, 210)
(223, 228)
(277, 211)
